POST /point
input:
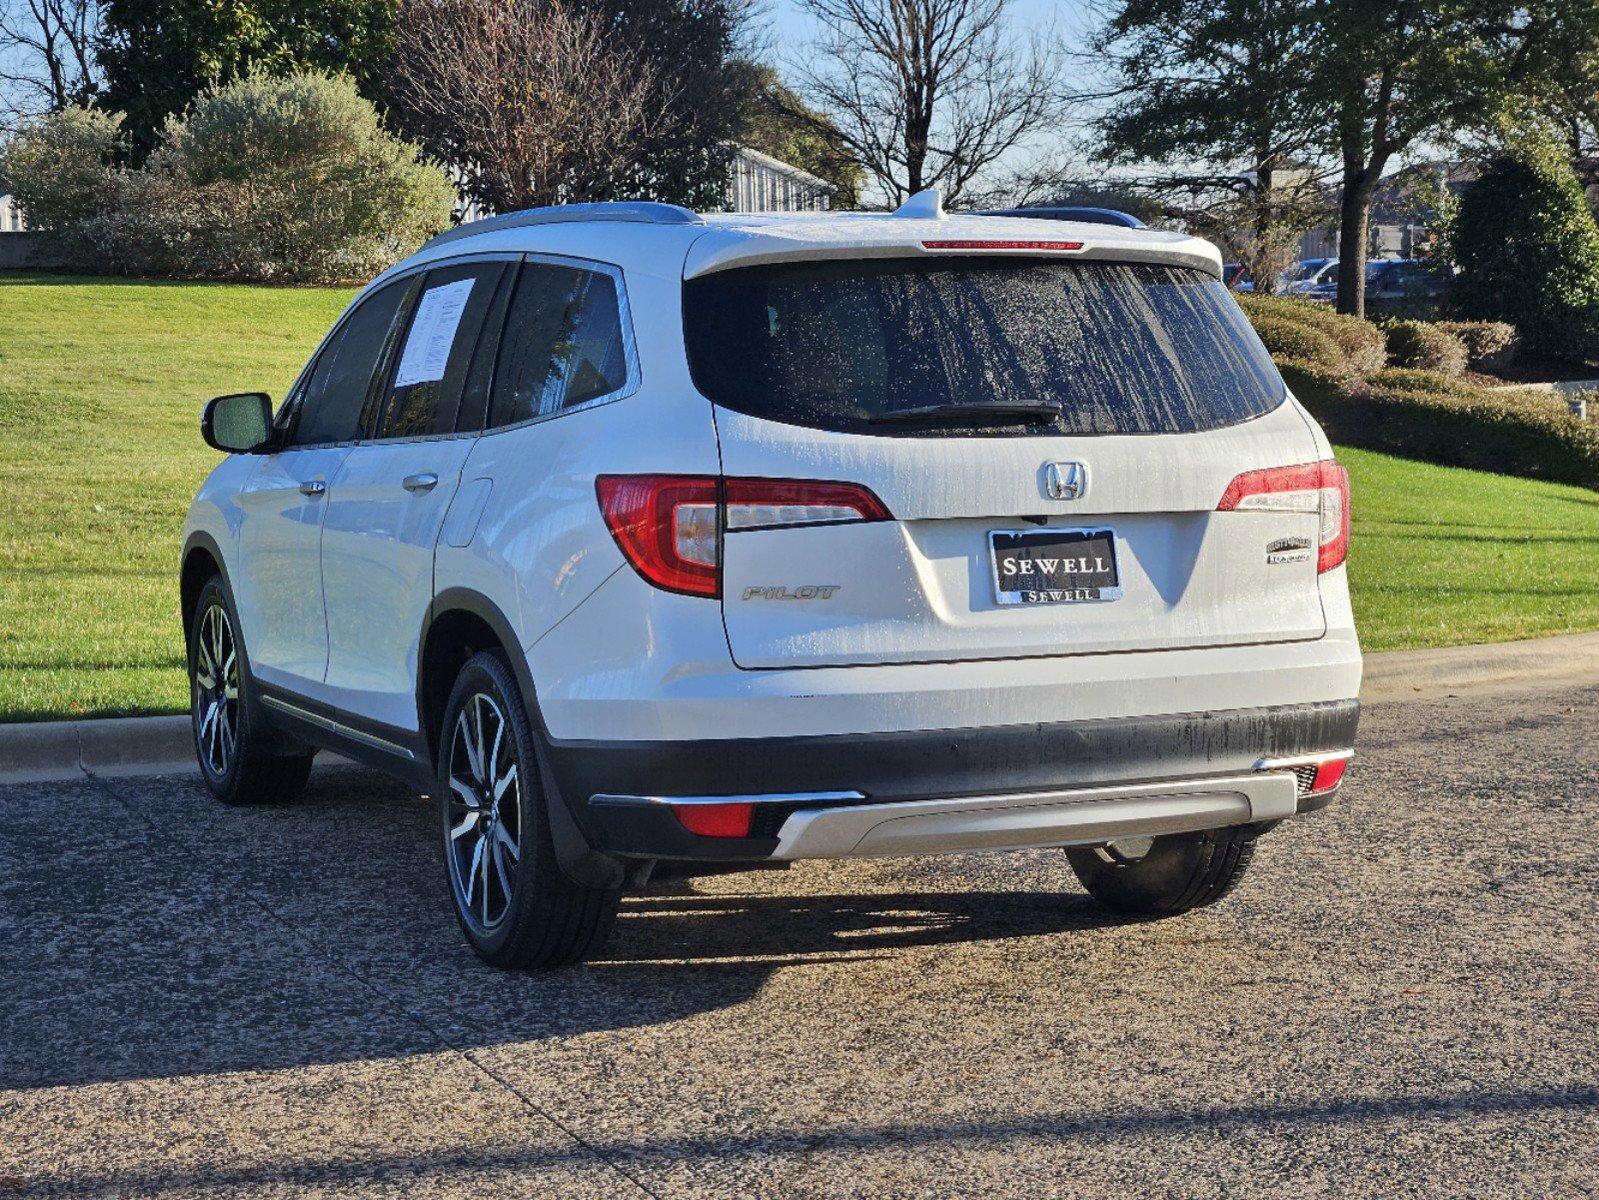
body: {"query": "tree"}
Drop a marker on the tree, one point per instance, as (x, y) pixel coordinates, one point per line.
(926, 93)
(695, 48)
(810, 141)
(1528, 248)
(158, 54)
(1214, 92)
(527, 98)
(1399, 73)
(552, 101)
(47, 54)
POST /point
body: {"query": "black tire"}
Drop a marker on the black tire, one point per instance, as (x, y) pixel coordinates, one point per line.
(240, 756)
(1179, 872)
(514, 905)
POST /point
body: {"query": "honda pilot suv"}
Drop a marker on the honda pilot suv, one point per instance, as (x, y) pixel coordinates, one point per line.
(640, 539)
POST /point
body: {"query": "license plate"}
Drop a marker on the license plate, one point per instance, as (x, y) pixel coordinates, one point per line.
(1054, 566)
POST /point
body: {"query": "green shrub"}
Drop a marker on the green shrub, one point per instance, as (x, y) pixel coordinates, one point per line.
(1428, 416)
(1490, 345)
(301, 169)
(1362, 347)
(59, 169)
(291, 180)
(1528, 250)
(1289, 341)
(1425, 346)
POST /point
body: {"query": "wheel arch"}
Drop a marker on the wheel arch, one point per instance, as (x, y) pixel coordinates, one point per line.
(202, 558)
(461, 622)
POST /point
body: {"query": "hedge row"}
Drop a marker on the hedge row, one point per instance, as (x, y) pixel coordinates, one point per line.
(1424, 414)
(1358, 348)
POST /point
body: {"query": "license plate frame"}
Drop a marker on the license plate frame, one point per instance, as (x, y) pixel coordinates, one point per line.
(1095, 586)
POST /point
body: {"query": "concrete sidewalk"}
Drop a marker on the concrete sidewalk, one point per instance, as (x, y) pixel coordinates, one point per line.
(56, 750)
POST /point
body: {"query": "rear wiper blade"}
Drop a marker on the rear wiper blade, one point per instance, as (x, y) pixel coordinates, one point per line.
(1031, 414)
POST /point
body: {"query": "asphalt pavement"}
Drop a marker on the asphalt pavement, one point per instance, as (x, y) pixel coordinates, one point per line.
(1401, 1000)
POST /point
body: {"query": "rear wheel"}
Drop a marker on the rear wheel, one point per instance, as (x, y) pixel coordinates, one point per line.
(515, 906)
(239, 759)
(1164, 876)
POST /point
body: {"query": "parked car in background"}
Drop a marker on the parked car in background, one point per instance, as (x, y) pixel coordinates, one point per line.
(1394, 281)
(1407, 281)
(1236, 276)
(634, 536)
(1306, 275)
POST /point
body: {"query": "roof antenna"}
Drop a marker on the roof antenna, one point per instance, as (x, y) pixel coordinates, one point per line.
(926, 205)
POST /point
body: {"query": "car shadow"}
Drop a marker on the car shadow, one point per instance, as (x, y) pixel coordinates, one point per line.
(193, 938)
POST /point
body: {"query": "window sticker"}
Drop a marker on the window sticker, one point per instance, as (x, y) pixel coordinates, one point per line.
(427, 348)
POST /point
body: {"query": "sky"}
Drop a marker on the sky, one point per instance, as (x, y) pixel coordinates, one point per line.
(785, 28)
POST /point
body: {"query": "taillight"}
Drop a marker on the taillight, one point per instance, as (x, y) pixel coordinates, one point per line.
(666, 525)
(670, 527)
(775, 503)
(1318, 487)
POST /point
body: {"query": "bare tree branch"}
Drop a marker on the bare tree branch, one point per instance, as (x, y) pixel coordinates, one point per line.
(926, 93)
(47, 59)
(527, 99)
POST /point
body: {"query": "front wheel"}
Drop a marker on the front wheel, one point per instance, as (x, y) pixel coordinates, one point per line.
(1167, 875)
(515, 906)
(237, 757)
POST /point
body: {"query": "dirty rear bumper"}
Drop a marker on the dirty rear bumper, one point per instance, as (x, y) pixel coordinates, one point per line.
(615, 788)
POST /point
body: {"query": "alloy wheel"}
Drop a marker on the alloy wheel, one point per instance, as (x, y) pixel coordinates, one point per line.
(216, 691)
(484, 829)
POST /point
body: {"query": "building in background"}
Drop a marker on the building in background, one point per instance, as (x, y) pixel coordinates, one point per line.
(761, 183)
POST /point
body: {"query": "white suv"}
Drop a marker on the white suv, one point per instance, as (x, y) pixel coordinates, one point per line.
(638, 537)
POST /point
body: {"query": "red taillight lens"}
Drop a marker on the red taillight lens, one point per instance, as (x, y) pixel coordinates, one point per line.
(670, 526)
(1328, 775)
(716, 820)
(774, 503)
(1319, 487)
(666, 525)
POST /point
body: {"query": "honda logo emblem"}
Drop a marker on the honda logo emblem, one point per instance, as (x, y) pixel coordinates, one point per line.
(1065, 480)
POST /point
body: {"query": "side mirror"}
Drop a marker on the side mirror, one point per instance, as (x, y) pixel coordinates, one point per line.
(238, 424)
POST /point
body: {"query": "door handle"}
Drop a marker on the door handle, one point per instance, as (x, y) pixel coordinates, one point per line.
(422, 482)
(313, 487)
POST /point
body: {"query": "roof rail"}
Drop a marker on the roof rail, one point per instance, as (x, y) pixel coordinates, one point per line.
(641, 212)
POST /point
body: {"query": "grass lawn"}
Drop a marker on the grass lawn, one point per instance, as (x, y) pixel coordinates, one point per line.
(101, 383)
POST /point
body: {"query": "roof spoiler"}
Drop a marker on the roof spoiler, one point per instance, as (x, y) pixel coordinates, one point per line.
(639, 212)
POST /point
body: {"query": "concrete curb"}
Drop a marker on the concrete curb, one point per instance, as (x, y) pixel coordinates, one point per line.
(1405, 674)
(68, 749)
(47, 750)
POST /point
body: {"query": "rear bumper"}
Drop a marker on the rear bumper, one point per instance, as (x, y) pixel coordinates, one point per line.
(1040, 784)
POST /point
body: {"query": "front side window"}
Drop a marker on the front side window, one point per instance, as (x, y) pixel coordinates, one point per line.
(843, 345)
(335, 395)
(431, 364)
(563, 343)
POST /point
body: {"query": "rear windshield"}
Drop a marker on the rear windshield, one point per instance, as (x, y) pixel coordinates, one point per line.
(1118, 347)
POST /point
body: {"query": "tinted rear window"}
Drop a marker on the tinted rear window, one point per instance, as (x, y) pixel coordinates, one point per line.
(1119, 347)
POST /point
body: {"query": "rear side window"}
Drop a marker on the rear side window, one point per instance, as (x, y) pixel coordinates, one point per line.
(563, 343)
(1119, 347)
(436, 352)
(335, 395)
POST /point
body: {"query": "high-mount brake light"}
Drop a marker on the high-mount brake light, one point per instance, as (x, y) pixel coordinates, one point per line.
(1318, 487)
(670, 527)
(990, 244)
